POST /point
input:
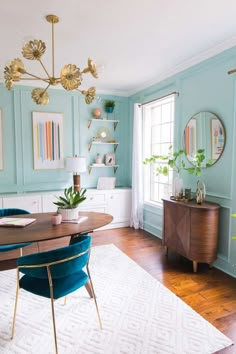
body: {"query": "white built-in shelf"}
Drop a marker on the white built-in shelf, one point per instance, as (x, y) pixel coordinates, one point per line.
(115, 122)
(102, 143)
(90, 167)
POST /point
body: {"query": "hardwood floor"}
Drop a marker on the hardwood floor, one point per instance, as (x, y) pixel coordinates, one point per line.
(210, 292)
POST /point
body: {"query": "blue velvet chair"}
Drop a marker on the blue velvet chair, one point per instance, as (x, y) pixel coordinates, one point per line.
(54, 274)
(10, 212)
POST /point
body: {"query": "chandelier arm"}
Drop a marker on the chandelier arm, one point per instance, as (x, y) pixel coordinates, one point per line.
(44, 68)
(53, 69)
(46, 89)
(32, 78)
(85, 71)
(36, 77)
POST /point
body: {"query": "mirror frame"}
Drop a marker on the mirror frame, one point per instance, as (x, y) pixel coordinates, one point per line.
(209, 148)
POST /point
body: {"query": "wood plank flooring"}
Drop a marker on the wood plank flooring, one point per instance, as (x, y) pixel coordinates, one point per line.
(210, 292)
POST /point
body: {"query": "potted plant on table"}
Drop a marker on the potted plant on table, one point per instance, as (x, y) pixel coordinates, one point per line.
(68, 204)
(109, 106)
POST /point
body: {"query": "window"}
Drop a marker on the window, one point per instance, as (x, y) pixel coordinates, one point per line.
(158, 128)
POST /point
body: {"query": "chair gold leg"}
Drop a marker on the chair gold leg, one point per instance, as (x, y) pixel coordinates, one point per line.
(52, 306)
(16, 302)
(65, 300)
(21, 253)
(94, 297)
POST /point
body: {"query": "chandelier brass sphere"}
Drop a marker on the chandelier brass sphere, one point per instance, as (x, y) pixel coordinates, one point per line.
(71, 76)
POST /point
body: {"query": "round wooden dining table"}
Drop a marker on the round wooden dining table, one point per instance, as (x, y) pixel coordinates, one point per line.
(42, 229)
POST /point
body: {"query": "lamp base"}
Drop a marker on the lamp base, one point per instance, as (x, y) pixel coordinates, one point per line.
(76, 181)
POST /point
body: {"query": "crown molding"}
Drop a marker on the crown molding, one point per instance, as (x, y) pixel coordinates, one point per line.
(204, 55)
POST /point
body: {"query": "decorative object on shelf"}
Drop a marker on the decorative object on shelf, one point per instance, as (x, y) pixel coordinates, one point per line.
(97, 113)
(98, 159)
(77, 165)
(1, 142)
(48, 140)
(187, 194)
(103, 133)
(70, 77)
(109, 106)
(178, 187)
(68, 204)
(106, 183)
(110, 159)
(200, 192)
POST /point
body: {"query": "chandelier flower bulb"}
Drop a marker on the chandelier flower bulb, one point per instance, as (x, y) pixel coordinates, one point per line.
(33, 50)
(70, 78)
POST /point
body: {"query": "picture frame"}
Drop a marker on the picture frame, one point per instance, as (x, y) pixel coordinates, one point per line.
(110, 159)
(1, 141)
(106, 183)
(217, 138)
(48, 144)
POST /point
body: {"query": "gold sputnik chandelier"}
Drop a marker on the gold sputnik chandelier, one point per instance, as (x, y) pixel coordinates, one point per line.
(70, 77)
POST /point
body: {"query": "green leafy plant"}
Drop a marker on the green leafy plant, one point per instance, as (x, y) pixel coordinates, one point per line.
(110, 103)
(71, 198)
(177, 162)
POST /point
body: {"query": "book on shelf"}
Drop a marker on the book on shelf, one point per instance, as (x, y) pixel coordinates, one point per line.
(16, 222)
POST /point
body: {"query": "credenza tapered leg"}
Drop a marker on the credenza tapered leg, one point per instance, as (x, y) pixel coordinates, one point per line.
(166, 251)
(195, 266)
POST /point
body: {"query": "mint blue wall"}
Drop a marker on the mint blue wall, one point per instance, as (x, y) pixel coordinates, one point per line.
(19, 175)
(205, 87)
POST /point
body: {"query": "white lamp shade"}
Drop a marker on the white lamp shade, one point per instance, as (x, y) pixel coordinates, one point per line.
(76, 164)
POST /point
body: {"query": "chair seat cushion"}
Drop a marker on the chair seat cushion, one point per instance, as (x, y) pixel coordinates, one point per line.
(61, 286)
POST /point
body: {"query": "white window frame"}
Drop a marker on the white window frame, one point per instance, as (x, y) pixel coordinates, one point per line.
(152, 182)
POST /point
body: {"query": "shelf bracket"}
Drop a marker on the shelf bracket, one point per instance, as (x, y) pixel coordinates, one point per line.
(89, 147)
(115, 147)
(89, 123)
(115, 125)
(89, 169)
(115, 169)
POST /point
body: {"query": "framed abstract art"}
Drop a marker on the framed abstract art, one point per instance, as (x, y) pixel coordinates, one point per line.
(48, 140)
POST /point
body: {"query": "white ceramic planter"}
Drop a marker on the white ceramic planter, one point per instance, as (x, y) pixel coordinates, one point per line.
(69, 214)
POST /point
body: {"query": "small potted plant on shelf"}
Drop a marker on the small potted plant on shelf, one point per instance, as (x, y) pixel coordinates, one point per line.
(68, 204)
(109, 106)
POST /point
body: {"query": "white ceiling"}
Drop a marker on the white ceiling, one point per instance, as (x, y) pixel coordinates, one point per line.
(138, 42)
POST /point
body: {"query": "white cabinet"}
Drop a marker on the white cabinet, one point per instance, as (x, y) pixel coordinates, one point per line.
(119, 206)
(29, 203)
(116, 202)
(48, 200)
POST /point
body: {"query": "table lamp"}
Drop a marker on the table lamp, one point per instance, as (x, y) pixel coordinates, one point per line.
(76, 164)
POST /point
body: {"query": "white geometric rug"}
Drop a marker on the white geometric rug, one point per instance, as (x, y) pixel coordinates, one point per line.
(139, 315)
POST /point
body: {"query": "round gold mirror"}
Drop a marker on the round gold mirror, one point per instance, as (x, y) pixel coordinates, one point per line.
(204, 131)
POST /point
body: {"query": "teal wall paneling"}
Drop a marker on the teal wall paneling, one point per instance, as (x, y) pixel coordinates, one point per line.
(17, 106)
(205, 87)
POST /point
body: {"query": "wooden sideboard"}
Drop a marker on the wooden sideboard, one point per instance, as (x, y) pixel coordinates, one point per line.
(191, 230)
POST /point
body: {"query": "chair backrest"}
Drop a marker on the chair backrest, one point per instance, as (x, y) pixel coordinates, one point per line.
(12, 211)
(68, 260)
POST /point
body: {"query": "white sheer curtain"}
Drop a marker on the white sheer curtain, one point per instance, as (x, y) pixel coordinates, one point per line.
(136, 219)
